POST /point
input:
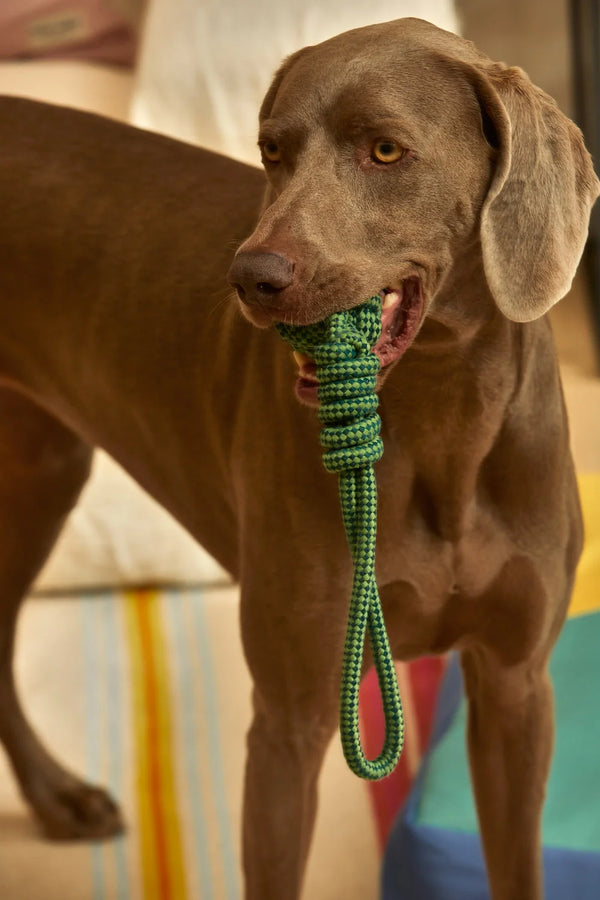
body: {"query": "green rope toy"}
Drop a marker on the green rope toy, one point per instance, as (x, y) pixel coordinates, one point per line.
(347, 372)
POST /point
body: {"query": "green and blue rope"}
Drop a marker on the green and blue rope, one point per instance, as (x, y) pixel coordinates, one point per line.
(347, 371)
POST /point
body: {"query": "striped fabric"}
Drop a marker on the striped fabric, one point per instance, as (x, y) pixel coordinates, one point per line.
(147, 693)
(419, 681)
(157, 721)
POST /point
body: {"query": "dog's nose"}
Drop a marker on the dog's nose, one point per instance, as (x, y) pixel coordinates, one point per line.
(257, 276)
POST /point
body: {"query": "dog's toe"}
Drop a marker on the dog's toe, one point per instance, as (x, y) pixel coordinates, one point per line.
(80, 812)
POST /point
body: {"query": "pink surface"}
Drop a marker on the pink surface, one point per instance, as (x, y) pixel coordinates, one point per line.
(80, 29)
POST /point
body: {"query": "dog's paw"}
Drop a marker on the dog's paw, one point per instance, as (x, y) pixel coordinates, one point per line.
(77, 811)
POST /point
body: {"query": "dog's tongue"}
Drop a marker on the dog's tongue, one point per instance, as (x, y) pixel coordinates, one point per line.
(307, 367)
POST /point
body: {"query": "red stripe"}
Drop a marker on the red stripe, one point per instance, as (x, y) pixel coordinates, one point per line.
(387, 796)
(425, 677)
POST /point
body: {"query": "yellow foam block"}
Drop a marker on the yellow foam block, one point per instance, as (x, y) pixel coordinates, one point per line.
(586, 595)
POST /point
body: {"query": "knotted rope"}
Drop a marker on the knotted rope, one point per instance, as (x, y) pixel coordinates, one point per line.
(347, 372)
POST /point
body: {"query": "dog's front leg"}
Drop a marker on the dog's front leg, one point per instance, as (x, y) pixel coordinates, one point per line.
(510, 740)
(293, 637)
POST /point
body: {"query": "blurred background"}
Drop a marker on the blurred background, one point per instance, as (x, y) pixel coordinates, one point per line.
(197, 70)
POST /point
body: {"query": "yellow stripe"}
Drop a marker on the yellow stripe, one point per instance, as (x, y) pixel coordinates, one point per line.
(160, 836)
(586, 594)
(412, 749)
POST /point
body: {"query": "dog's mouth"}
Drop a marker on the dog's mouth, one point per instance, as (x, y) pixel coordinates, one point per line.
(401, 313)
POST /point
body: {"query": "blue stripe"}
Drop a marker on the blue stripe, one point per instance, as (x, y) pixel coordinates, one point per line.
(89, 615)
(192, 731)
(209, 686)
(113, 704)
(103, 693)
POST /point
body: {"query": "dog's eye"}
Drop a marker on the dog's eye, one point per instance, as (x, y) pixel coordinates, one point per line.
(270, 151)
(387, 151)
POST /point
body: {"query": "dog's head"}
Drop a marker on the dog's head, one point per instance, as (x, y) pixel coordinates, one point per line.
(395, 152)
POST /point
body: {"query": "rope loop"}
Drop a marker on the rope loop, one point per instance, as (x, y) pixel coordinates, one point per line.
(347, 369)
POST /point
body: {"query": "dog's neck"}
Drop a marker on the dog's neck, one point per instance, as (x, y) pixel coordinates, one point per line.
(463, 331)
(462, 308)
(445, 426)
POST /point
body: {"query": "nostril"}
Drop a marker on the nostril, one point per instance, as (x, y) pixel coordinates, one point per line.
(258, 275)
(263, 287)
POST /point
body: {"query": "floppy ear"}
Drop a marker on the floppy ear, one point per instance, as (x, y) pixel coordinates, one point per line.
(535, 217)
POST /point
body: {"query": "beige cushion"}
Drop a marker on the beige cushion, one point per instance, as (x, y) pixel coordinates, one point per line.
(203, 67)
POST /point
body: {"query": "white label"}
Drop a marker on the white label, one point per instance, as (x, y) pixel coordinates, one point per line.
(61, 28)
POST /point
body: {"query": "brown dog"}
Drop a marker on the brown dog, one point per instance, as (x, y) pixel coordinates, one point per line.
(399, 160)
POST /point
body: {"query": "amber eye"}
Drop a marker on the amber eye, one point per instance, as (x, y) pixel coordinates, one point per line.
(386, 151)
(271, 151)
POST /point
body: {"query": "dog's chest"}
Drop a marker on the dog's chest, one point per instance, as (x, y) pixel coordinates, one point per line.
(442, 538)
(434, 589)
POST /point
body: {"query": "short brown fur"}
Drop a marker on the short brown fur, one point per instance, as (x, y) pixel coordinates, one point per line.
(116, 330)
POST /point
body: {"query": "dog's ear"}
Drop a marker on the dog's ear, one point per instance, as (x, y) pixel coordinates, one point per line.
(534, 220)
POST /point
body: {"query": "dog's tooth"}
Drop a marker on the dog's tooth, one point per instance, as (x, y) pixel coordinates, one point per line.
(301, 358)
(391, 299)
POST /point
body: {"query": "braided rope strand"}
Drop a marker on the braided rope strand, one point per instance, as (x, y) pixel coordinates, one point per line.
(347, 373)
